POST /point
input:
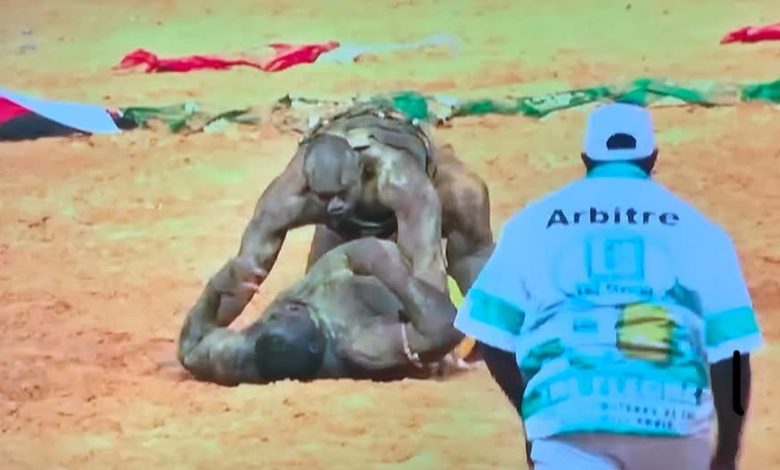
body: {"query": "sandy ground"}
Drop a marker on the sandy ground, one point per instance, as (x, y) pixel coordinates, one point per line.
(106, 241)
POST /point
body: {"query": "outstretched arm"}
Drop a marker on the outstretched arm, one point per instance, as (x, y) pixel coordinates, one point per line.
(731, 328)
(406, 189)
(430, 312)
(207, 348)
(281, 207)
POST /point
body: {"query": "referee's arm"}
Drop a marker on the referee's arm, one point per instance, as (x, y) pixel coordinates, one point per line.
(492, 315)
(731, 330)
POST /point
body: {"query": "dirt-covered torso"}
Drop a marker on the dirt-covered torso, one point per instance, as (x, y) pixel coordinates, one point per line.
(346, 306)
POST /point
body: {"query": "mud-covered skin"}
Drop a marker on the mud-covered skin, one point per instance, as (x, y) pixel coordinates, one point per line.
(373, 131)
(359, 293)
(465, 204)
(372, 172)
(343, 173)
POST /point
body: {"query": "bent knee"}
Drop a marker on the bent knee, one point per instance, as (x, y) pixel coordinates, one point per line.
(378, 248)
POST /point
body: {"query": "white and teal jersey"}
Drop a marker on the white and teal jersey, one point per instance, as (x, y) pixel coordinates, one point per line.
(615, 295)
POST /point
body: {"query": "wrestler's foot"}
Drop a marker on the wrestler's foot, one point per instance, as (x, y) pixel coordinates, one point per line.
(451, 365)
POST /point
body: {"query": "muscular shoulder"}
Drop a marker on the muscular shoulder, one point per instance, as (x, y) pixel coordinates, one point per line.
(366, 353)
(397, 170)
(292, 180)
(694, 213)
(534, 210)
(400, 178)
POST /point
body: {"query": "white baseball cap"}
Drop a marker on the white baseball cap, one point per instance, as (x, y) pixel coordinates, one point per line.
(627, 128)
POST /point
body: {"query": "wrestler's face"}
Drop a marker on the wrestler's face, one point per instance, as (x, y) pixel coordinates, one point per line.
(338, 201)
(291, 321)
(286, 314)
(290, 344)
(333, 174)
(336, 186)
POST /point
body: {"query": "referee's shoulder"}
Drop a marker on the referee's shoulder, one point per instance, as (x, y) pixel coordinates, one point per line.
(707, 226)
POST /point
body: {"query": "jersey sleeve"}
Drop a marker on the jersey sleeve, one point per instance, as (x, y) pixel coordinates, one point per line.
(730, 321)
(492, 311)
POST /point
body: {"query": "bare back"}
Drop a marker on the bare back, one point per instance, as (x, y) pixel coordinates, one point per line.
(347, 303)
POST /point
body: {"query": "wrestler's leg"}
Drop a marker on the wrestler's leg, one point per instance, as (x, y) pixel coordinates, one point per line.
(466, 226)
(323, 241)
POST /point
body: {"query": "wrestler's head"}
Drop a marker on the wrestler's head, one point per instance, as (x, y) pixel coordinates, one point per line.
(620, 133)
(290, 344)
(333, 171)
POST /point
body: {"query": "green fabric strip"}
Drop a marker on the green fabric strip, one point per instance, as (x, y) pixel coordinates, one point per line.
(496, 312)
(642, 91)
(619, 170)
(730, 325)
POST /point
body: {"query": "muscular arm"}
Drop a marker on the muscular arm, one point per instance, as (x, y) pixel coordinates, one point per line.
(470, 243)
(731, 325)
(730, 423)
(281, 207)
(207, 348)
(465, 204)
(430, 312)
(406, 189)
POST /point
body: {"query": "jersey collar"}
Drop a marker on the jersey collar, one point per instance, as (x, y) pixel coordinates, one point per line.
(617, 170)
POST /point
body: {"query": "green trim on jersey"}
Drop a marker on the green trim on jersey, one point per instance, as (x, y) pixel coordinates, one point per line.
(495, 312)
(617, 170)
(728, 325)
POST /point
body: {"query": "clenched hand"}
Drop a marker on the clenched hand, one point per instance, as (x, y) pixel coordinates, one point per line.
(236, 282)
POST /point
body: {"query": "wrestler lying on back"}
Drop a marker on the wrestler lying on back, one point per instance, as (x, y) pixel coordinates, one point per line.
(358, 313)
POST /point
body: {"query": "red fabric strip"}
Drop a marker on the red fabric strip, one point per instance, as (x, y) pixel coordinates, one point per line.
(286, 56)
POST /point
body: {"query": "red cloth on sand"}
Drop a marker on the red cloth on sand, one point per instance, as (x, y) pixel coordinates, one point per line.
(750, 34)
(285, 56)
(288, 55)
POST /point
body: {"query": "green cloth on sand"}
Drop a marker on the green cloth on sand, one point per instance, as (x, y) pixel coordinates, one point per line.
(412, 104)
(642, 91)
(183, 116)
(769, 91)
